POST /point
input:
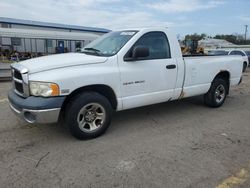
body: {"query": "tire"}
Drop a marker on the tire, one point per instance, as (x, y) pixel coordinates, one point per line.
(217, 93)
(88, 115)
(244, 67)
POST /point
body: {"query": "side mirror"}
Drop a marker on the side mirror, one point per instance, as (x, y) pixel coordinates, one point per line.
(138, 53)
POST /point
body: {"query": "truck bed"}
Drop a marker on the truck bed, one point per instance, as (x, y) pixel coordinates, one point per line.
(200, 71)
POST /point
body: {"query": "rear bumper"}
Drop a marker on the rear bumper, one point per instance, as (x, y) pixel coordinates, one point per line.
(36, 109)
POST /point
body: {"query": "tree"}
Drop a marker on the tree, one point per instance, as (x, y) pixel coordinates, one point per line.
(235, 39)
(195, 36)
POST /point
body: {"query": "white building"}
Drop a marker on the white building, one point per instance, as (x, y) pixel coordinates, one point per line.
(41, 38)
(212, 44)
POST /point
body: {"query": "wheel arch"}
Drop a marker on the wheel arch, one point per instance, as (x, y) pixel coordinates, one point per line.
(102, 89)
(225, 75)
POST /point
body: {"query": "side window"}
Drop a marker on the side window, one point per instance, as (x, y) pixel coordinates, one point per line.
(237, 53)
(157, 43)
(232, 53)
(241, 53)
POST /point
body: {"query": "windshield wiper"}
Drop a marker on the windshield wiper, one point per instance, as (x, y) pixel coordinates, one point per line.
(92, 49)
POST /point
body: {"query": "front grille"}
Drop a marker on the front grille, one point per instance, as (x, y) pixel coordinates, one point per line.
(17, 75)
(19, 87)
(20, 79)
(17, 82)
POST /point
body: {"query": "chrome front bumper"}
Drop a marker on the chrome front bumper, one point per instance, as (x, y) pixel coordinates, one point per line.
(36, 109)
(37, 116)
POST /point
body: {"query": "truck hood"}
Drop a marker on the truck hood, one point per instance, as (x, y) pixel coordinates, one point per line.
(60, 60)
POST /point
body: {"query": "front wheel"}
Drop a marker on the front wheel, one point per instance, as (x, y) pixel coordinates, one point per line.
(217, 93)
(88, 115)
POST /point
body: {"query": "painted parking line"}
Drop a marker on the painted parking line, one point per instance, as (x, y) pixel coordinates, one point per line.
(236, 180)
(3, 100)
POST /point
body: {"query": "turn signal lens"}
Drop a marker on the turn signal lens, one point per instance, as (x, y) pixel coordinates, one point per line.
(55, 89)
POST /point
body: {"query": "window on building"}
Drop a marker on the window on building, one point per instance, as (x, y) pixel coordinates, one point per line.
(16, 41)
(5, 25)
(49, 43)
(6, 41)
(78, 44)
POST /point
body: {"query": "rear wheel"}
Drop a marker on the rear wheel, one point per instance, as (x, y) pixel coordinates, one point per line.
(217, 93)
(88, 115)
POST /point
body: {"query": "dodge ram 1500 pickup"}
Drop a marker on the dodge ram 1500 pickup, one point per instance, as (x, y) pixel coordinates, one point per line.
(120, 70)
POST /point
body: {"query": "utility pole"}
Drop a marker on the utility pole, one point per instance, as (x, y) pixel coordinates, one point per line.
(246, 26)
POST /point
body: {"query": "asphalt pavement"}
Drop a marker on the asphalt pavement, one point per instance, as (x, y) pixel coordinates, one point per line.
(176, 144)
(5, 71)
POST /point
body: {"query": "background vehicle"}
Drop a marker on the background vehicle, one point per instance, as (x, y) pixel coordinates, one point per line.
(191, 47)
(248, 55)
(244, 56)
(120, 70)
(217, 52)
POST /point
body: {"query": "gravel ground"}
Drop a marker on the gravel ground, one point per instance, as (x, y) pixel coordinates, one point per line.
(176, 144)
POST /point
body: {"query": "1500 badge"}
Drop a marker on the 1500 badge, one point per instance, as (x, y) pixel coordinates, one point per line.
(135, 82)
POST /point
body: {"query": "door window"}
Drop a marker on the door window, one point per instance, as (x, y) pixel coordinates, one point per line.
(156, 42)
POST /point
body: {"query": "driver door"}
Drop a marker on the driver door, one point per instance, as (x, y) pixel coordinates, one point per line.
(151, 79)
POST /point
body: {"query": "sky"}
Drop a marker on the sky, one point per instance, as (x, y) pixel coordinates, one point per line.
(183, 16)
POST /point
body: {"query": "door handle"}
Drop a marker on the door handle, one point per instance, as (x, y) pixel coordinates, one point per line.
(170, 66)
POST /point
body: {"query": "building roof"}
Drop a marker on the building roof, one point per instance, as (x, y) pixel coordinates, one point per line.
(38, 34)
(51, 25)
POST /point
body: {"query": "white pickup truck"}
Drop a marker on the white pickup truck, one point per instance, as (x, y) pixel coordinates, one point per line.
(120, 70)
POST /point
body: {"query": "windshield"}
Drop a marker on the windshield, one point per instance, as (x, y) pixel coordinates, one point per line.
(109, 44)
(248, 53)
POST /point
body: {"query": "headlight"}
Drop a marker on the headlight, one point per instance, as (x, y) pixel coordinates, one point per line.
(44, 89)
